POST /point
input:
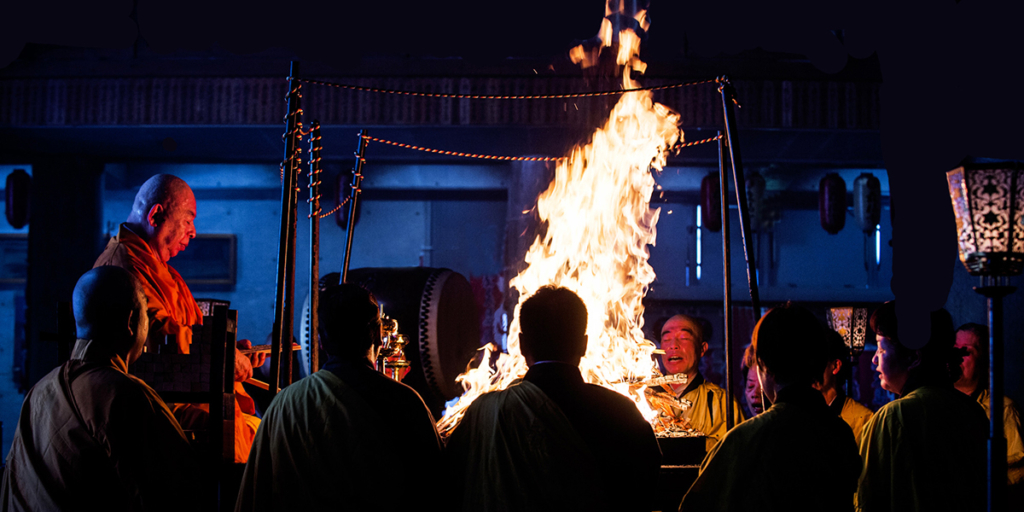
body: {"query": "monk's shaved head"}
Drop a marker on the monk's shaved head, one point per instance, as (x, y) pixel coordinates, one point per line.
(163, 215)
(107, 300)
(163, 189)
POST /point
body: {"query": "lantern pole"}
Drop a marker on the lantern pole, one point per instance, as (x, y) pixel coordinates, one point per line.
(732, 142)
(357, 179)
(994, 289)
(723, 191)
(315, 147)
(986, 205)
(283, 317)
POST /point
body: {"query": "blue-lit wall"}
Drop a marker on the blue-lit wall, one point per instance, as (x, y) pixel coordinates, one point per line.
(10, 297)
(465, 236)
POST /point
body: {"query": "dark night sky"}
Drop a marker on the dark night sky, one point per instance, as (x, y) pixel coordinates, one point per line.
(950, 70)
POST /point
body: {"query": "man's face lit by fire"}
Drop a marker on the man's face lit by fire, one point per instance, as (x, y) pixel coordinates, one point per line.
(683, 349)
(173, 225)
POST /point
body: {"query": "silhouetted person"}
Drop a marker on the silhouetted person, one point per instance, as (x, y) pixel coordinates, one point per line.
(552, 441)
(973, 381)
(796, 455)
(90, 436)
(346, 437)
(925, 450)
(831, 386)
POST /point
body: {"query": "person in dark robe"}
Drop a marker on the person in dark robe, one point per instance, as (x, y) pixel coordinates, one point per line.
(91, 436)
(925, 450)
(797, 455)
(553, 441)
(837, 371)
(346, 437)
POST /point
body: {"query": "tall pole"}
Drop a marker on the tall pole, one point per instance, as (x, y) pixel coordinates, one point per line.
(723, 188)
(284, 298)
(732, 142)
(314, 246)
(994, 293)
(357, 180)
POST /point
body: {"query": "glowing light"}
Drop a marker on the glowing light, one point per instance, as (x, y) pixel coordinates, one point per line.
(878, 244)
(699, 243)
(599, 224)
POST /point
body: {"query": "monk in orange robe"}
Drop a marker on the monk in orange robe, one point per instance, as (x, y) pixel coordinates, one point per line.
(160, 226)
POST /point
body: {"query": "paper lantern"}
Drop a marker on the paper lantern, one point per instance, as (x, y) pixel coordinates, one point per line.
(987, 198)
(711, 203)
(16, 208)
(867, 202)
(755, 200)
(832, 203)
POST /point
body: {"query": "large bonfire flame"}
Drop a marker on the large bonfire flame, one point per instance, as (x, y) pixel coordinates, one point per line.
(599, 224)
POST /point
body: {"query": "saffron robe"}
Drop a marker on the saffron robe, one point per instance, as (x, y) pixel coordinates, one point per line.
(924, 451)
(92, 437)
(346, 437)
(853, 413)
(707, 412)
(797, 455)
(172, 313)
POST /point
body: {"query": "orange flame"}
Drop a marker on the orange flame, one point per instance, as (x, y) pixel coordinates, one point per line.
(600, 223)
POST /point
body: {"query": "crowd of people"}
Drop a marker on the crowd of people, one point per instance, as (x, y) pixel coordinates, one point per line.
(93, 437)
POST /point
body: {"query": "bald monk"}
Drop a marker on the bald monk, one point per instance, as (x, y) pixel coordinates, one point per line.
(159, 227)
(91, 436)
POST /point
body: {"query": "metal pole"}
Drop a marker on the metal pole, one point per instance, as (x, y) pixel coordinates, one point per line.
(732, 142)
(723, 187)
(314, 246)
(285, 265)
(357, 179)
(996, 437)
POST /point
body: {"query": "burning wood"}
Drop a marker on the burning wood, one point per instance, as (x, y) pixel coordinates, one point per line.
(677, 378)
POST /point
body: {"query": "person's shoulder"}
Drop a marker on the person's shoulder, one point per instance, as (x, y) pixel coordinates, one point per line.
(855, 408)
(711, 386)
(607, 395)
(400, 396)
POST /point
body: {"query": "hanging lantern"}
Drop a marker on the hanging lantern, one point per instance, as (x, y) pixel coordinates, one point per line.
(755, 199)
(16, 207)
(987, 198)
(867, 202)
(832, 203)
(852, 325)
(711, 203)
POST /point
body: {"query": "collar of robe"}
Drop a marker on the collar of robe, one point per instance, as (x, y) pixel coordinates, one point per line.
(91, 351)
(800, 394)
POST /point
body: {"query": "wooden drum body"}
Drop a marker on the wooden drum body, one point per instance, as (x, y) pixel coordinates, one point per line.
(436, 310)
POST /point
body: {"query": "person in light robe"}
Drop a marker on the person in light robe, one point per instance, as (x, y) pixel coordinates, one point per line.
(552, 442)
(684, 342)
(158, 228)
(925, 450)
(91, 436)
(796, 455)
(972, 338)
(346, 437)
